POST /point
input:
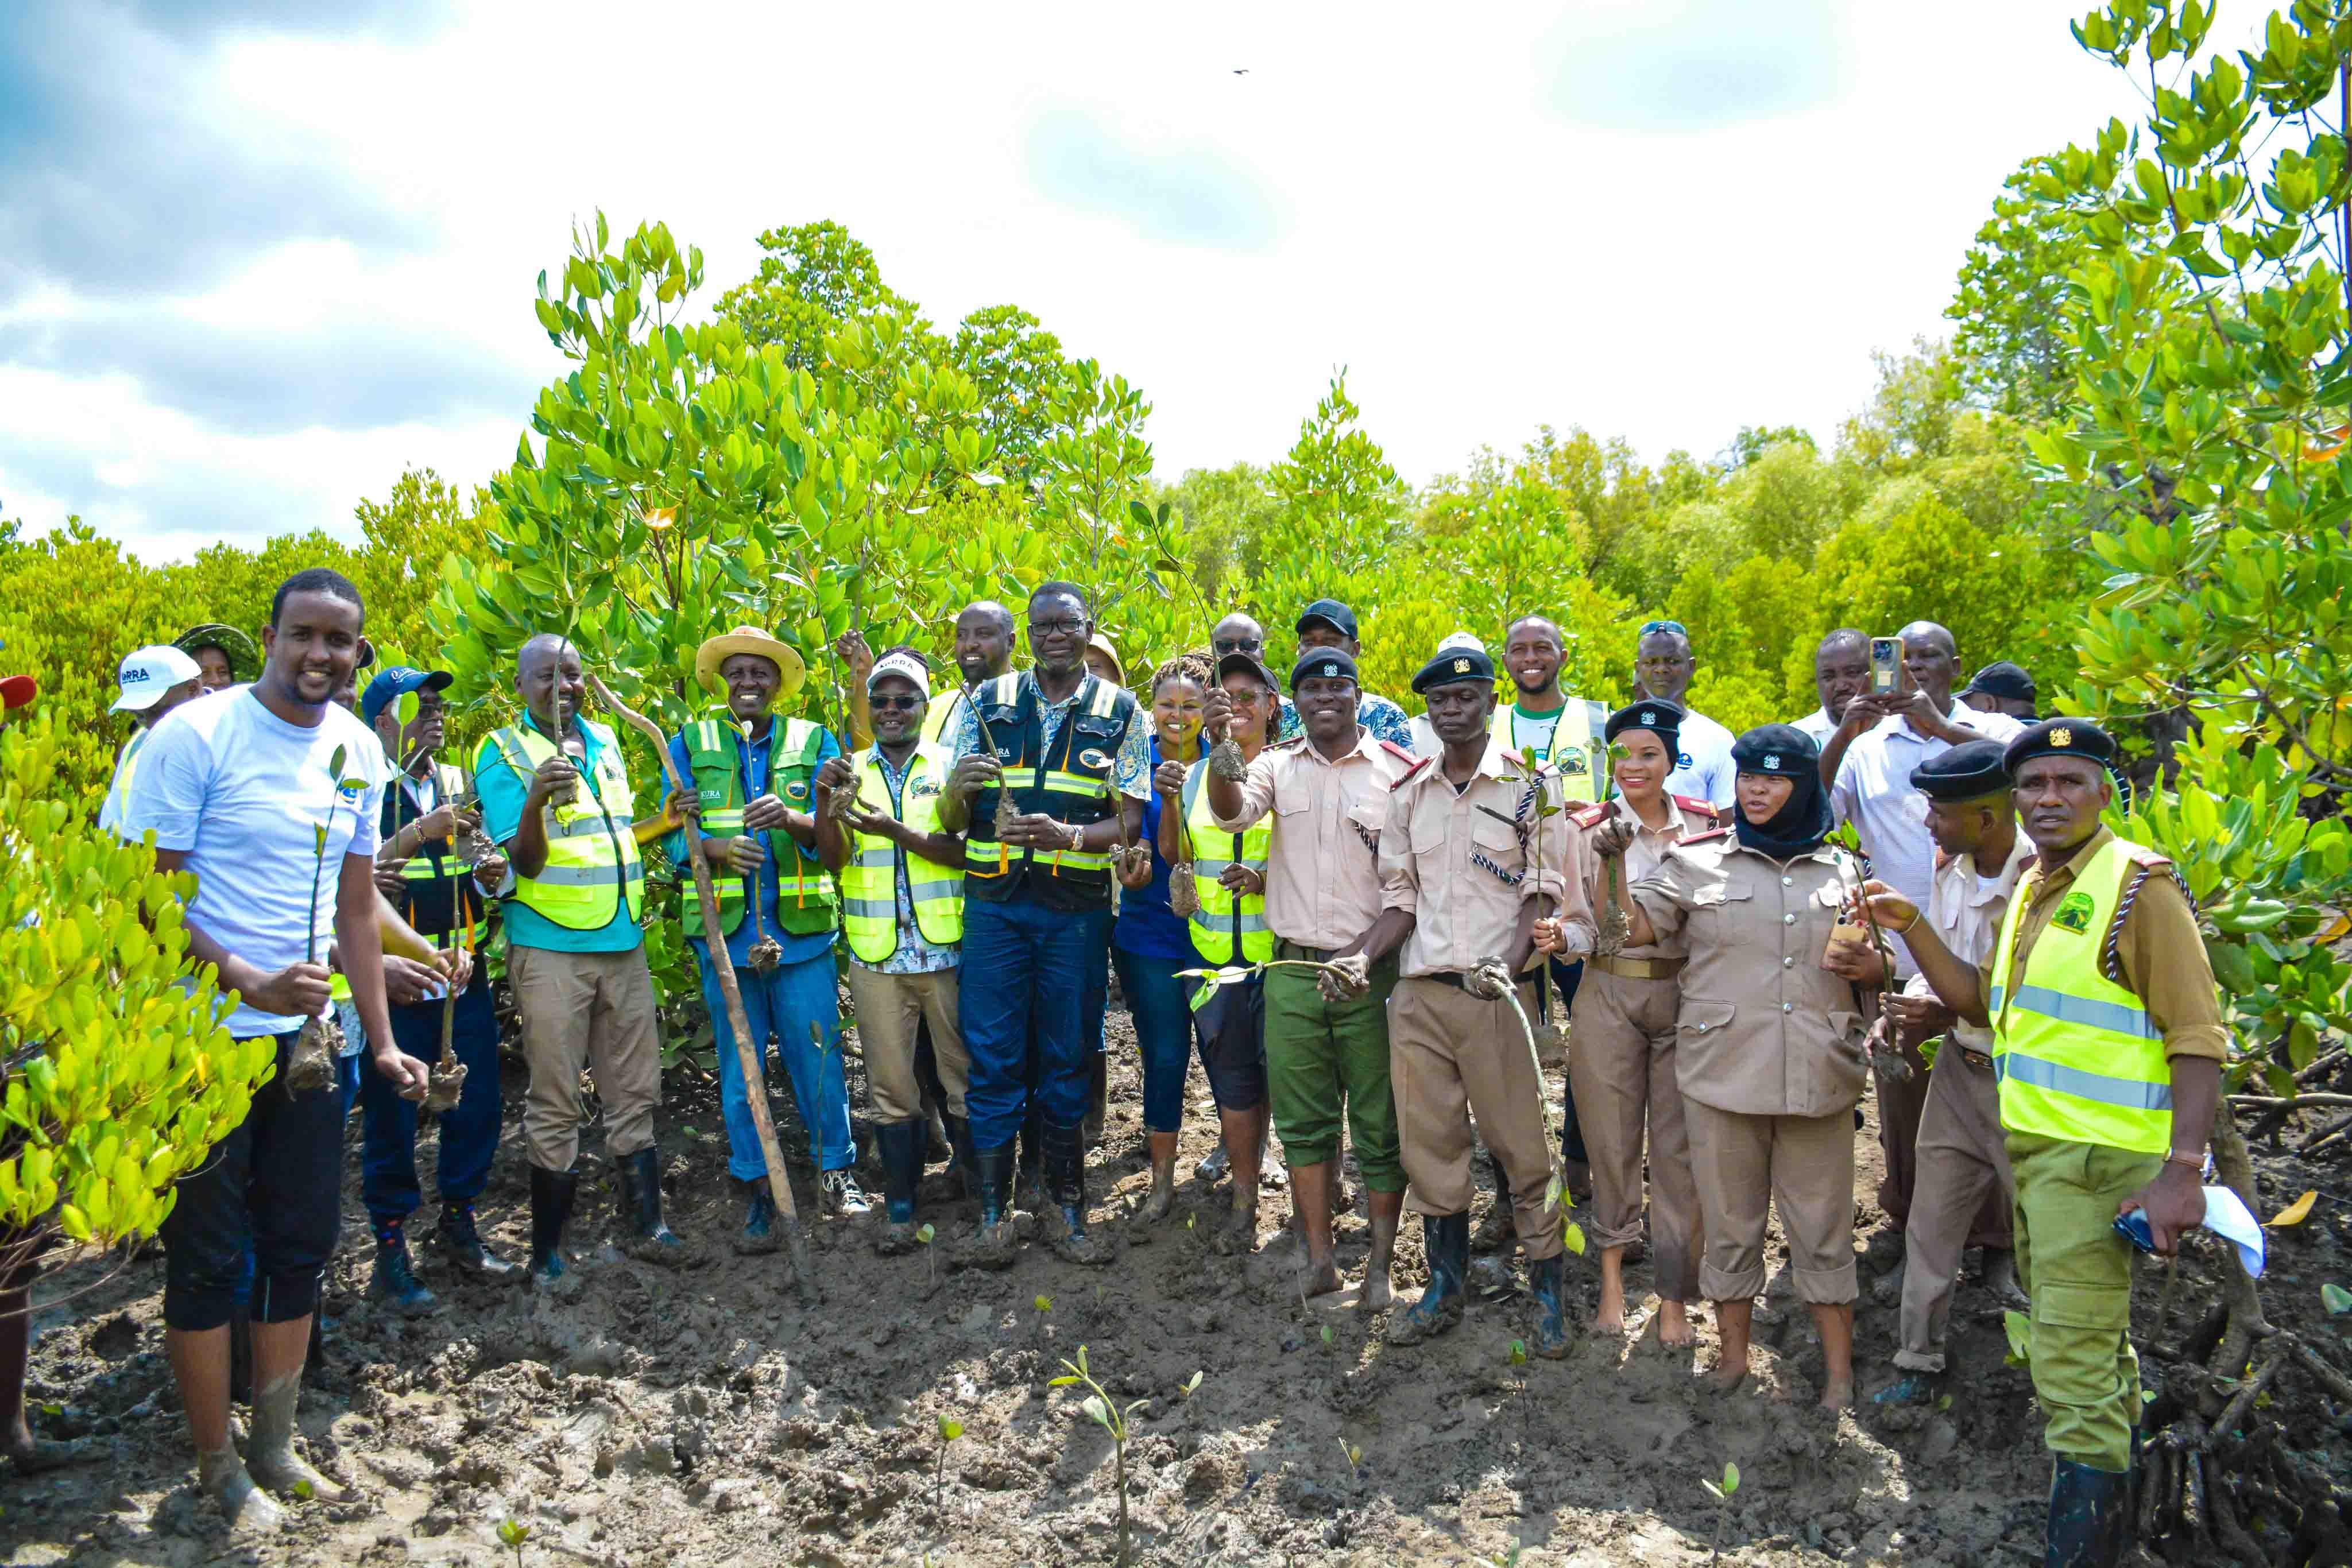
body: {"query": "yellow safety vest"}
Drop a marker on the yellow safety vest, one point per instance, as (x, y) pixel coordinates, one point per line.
(1070, 782)
(869, 882)
(714, 752)
(1223, 915)
(946, 707)
(593, 870)
(1578, 742)
(2078, 1055)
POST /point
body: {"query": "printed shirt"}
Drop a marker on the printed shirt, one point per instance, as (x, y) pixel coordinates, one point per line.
(1148, 925)
(1374, 712)
(751, 777)
(502, 791)
(1965, 912)
(1322, 863)
(2161, 957)
(1130, 772)
(1455, 861)
(914, 955)
(1873, 792)
(1586, 897)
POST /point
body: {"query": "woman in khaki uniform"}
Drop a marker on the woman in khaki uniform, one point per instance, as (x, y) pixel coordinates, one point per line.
(1769, 1043)
(1620, 1049)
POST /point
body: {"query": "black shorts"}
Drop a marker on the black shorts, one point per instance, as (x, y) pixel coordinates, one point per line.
(1229, 1027)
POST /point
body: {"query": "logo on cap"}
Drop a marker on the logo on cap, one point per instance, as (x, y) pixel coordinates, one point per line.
(1649, 718)
(1461, 667)
(1772, 760)
(1330, 667)
(2062, 735)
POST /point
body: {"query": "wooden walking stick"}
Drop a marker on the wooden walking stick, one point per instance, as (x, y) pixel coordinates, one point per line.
(778, 1185)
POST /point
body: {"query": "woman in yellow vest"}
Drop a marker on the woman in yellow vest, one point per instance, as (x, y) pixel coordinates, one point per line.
(902, 919)
(2109, 1044)
(1229, 931)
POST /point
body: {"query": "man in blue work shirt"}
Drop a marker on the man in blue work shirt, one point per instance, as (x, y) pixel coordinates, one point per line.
(752, 776)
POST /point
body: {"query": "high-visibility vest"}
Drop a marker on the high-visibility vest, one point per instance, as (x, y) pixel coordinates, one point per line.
(714, 752)
(115, 809)
(439, 898)
(1223, 914)
(593, 871)
(945, 709)
(1070, 784)
(2077, 1054)
(1578, 741)
(869, 882)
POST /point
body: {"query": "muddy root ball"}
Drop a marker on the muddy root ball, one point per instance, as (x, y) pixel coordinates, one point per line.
(1225, 761)
(764, 956)
(310, 1064)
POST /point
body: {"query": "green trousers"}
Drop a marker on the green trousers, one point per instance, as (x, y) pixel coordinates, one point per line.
(2079, 1272)
(1324, 1060)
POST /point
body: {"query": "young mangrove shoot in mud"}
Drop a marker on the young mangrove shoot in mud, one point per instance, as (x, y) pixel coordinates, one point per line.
(1104, 1412)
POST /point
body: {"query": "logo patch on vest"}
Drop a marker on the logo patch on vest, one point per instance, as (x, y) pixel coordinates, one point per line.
(1091, 757)
(795, 790)
(921, 787)
(2074, 912)
(1571, 762)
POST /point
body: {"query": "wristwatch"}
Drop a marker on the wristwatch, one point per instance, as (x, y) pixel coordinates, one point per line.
(1077, 837)
(2194, 1162)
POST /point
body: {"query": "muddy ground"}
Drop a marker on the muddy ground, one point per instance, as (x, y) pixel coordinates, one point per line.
(703, 1417)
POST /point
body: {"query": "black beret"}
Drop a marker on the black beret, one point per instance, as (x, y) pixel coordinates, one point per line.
(2003, 679)
(2061, 738)
(1324, 665)
(1456, 664)
(1969, 771)
(1780, 749)
(1657, 715)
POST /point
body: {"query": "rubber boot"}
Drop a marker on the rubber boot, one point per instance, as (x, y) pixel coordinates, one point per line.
(900, 1145)
(1499, 1231)
(1097, 1097)
(759, 1233)
(459, 1242)
(395, 1281)
(552, 1193)
(641, 1209)
(1446, 1238)
(2090, 1516)
(1029, 1187)
(1066, 1181)
(960, 1140)
(1547, 1282)
(995, 1246)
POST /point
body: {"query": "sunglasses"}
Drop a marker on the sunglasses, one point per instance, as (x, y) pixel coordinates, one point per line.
(1223, 645)
(896, 702)
(1675, 627)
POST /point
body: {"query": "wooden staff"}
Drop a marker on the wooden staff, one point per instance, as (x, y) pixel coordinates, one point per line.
(778, 1185)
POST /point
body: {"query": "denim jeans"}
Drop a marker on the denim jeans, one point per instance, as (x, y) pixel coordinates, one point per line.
(1022, 961)
(469, 1131)
(781, 1003)
(1164, 1030)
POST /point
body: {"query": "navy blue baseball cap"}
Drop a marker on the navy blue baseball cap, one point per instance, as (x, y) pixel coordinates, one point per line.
(396, 683)
(1332, 613)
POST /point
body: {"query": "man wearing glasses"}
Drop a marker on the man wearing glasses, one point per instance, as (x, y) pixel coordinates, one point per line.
(1066, 753)
(1328, 623)
(1662, 667)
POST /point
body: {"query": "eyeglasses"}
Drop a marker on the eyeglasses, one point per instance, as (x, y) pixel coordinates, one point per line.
(896, 702)
(1055, 628)
(1223, 645)
(1675, 627)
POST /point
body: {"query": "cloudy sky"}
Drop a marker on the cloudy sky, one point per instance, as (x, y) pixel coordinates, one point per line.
(257, 255)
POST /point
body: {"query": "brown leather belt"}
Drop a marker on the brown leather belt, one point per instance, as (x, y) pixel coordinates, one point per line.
(1976, 1058)
(1639, 969)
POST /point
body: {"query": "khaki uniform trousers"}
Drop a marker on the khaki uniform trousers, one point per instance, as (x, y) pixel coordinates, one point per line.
(1450, 1054)
(2079, 1272)
(1963, 1168)
(1801, 1166)
(1901, 1105)
(889, 1006)
(1621, 1068)
(590, 1008)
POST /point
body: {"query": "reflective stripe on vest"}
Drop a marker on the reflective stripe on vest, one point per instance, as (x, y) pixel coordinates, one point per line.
(1076, 797)
(1579, 747)
(869, 881)
(2078, 1055)
(593, 872)
(714, 754)
(1221, 914)
(420, 869)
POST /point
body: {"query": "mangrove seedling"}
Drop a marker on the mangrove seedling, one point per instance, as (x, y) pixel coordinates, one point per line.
(1328, 1337)
(1891, 1061)
(1191, 1387)
(1355, 1462)
(931, 1256)
(310, 1065)
(950, 1430)
(1044, 1305)
(512, 1533)
(1107, 1415)
(1722, 1492)
(1520, 1370)
(766, 951)
(448, 1076)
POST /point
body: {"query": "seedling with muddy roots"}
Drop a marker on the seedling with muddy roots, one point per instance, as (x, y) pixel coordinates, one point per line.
(1722, 1492)
(1106, 1413)
(1355, 1456)
(448, 1074)
(950, 1430)
(310, 1065)
(766, 951)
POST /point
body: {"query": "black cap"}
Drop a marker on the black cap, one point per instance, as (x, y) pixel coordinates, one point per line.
(1453, 665)
(1324, 665)
(2003, 679)
(1969, 771)
(1782, 750)
(2061, 738)
(1342, 619)
(1249, 664)
(1662, 717)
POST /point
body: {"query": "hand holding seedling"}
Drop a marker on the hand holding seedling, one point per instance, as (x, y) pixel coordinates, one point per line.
(973, 774)
(768, 814)
(1919, 1016)
(553, 777)
(1216, 713)
(408, 1075)
(1851, 958)
(405, 980)
(1489, 981)
(1167, 779)
(298, 990)
(391, 878)
(1245, 879)
(1614, 837)
(438, 823)
(1345, 979)
(1548, 937)
(743, 853)
(1887, 907)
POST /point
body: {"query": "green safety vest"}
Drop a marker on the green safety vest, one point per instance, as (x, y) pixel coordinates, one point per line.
(1579, 746)
(2078, 1055)
(869, 882)
(1223, 915)
(714, 751)
(593, 870)
(1070, 782)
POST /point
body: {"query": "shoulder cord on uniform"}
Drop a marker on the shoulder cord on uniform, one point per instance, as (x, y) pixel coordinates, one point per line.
(2111, 961)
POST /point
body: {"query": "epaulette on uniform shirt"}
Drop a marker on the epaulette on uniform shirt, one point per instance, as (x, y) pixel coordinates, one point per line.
(1399, 752)
(1703, 838)
(1592, 816)
(1692, 803)
(1410, 772)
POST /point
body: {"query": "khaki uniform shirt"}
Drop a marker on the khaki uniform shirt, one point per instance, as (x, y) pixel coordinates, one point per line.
(1322, 867)
(1587, 895)
(2163, 958)
(1455, 861)
(1966, 913)
(1763, 1029)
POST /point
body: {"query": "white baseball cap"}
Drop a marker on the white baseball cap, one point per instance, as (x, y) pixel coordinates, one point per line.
(1462, 640)
(148, 673)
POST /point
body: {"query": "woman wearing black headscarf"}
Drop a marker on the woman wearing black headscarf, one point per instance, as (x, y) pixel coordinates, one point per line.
(1769, 1043)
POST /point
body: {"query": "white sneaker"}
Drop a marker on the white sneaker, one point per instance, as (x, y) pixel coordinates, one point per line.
(842, 1197)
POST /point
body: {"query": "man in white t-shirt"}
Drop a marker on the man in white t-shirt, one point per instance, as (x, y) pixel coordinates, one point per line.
(1840, 674)
(153, 680)
(235, 790)
(1662, 667)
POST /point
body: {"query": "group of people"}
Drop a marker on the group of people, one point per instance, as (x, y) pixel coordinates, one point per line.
(1355, 918)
